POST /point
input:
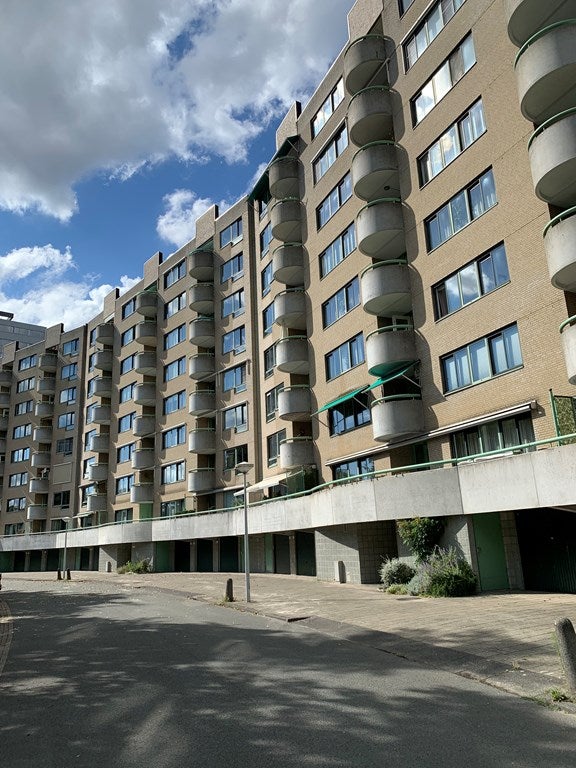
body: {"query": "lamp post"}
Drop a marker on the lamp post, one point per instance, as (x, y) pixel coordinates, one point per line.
(242, 469)
(65, 558)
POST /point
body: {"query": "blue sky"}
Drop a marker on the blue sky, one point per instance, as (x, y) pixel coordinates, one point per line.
(123, 121)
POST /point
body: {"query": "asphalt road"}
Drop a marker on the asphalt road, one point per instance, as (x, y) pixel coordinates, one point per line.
(101, 676)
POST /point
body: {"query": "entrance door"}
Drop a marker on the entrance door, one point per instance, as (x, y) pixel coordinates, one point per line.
(204, 556)
(490, 552)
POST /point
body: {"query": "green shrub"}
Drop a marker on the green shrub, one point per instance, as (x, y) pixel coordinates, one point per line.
(394, 571)
(397, 589)
(418, 584)
(449, 575)
(421, 535)
(140, 566)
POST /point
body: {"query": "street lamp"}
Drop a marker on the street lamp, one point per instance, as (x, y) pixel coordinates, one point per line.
(242, 469)
(64, 563)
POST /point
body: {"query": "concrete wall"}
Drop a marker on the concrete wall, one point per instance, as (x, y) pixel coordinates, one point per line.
(339, 542)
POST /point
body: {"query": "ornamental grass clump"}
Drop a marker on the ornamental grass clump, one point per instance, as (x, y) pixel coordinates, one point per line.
(444, 574)
(394, 571)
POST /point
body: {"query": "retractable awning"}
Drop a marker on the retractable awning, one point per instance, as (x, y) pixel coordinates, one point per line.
(400, 371)
(268, 482)
(341, 399)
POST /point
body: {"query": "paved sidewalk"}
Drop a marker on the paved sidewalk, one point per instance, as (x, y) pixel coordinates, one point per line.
(502, 639)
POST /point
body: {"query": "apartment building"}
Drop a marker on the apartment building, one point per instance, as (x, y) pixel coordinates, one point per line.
(374, 328)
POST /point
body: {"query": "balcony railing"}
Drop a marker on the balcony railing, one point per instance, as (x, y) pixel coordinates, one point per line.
(380, 229)
(147, 303)
(568, 334)
(104, 334)
(284, 177)
(202, 298)
(292, 355)
(370, 115)
(145, 394)
(526, 17)
(288, 264)
(290, 308)
(296, 452)
(397, 416)
(552, 152)
(286, 219)
(386, 288)
(202, 441)
(390, 348)
(363, 58)
(201, 480)
(201, 366)
(146, 333)
(375, 170)
(202, 333)
(201, 265)
(294, 403)
(202, 402)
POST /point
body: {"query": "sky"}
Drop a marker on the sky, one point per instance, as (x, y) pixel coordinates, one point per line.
(124, 120)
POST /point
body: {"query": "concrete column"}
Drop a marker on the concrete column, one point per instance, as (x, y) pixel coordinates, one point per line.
(216, 555)
(44, 560)
(108, 558)
(193, 556)
(512, 550)
(27, 561)
(293, 558)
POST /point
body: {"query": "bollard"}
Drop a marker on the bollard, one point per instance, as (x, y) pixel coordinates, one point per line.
(67, 574)
(229, 595)
(567, 648)
(59, 576)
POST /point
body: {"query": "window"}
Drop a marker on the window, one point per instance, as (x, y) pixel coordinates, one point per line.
(476, 279)
(273, 446)
(86, 464)
(174, 369)
(125, 422)
(68, 395)
(124, 453)
(482, 359)
(271, 399)
(127, 336)
(172, 508)
(62, 499)
(328, 157)
(11, 529)
(90, 410)
(123, 515)
(15, 505)
(269, 361)
(233, 456)
(173, 473)
(234, 340)
(174, 436)
(233, 304)
(349, 415)
(263, 206)
(123, 484)
(236, 418)
(341, 303)
(353, 468)
(334, 201)
(337, 251)
(66, 420)
(88, 439)
(174, 274)
(171, 307)
(174, 403)
(431, 26)
(232, 269)
(20, 478)
(26, 407)
(231, 234)
(70, 347)
(267, 279)
(176, 336)
(234, 378)
(20, 454)
(128, 364)
(443, 80)
(265, 239)
(27, 362)
(90, 387)
(91, 360)
(345, 357)
(128, 309)
(65, 446)
(229, 501)
(334, 99)
(24, 430)
(92, 337)
(69, 371)
(467, 205)
(493, 436)
(127, 392)
(268, 319)
(26, 384)
(452, 143)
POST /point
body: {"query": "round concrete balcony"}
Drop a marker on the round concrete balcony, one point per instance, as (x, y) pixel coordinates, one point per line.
(568, 334)
(294, 403)
(5, 399)
(103, 360)
(46, 386)
(37, 512)
(286, 219)
(380, 229)
(362, 60)
(292, 355)
(41, 459)
(146, 333)
(97, 472)
(100, 443)
(290, 309)
(375, 170)
(101, 414)
(104, 334)
(5, 378)
(142, 493)
(201, 480)
(370, 116)
(201, 332)
(390, 348)
(145, 363)
(145, 394)
(560, 247)
(284, 177)
(386, 288)
(201, 366)
(526, 17)
(44, 410)
(552, 152)
(143, 458)
(288, 264)
(397, 416)
(42, 434)
(144, 426)
(546, 72)
(39, 485)
(97, 502)
(102, 386)
(147, 303)
(201, 266)
(202, 298)
(202, 402)
(202, 441)
(296, 452)
(48, 362)
(3, 423)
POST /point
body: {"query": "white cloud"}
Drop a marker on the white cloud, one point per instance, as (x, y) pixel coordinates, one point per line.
(113, 86)
(50, 293)
(178, 224)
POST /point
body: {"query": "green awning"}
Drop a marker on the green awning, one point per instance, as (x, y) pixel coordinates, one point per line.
(400, 371)
(341, 399)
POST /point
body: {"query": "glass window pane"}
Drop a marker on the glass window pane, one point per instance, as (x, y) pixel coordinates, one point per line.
(462, 367)
(346, 189)
(459, 210)
(498, 352)
(435, 159)
(469, 283)
(433, 232)
(476, 201)
(445, 223)
(477, 118)
(490, 436)
(450, 144)
(434, 24)
(468, 54)
(510, 434)
(500, 265)
(479, 360)
(487, 276)
(453, 298)
(450, 374)
(488, 190)
(512, 345)
(441, 301)
(442, 82)
(425, 101)
(421, 40)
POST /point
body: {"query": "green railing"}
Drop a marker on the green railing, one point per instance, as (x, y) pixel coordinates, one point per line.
(381, 142)
(542, 33)
(369, 89)
(557, 219)
(551, 120)
(384, 263)
(364, 37)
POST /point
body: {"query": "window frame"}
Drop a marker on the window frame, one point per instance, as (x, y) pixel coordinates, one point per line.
(349, 349)
(336, 197)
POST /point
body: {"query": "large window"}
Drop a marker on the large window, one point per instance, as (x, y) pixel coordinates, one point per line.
(20, 454)
(174, 369)
(233, 304)
(334, 99)
(271, 399)
(124, 453)
(66, 421)
(171, 307)
(128, 309)
(452, 143)
(173, 473)
(123, 515)
(232, 233)
(174, 436)
(69, 371)
(352, 468)
(493, 436)
(234, 378)
(123, 484)
(268, 319)
(127, 392)
(172, 508)
(15, 505)
(345, 357)
(127, 336)
(27, 362)
(233, 456)
(19, 478)
(481, 276)
(177, 272)
(265, 239)
(236, 418)
(443, 80)
(65, 446)
(174, 403)
(125, 422)
(232, 269)
(128, 363)
(349, 415)
(428, 29)
(467, 205)
(267, 278)
(273, 446)
(341, 303)
(90, 411)
(269, 361)
(24, 430)
(482, 359)
(234, 340)
(26, 407)
(335, 200)
(337, 251)
(328, 157)
(68, 395)
(26, 384)
(175, 336)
